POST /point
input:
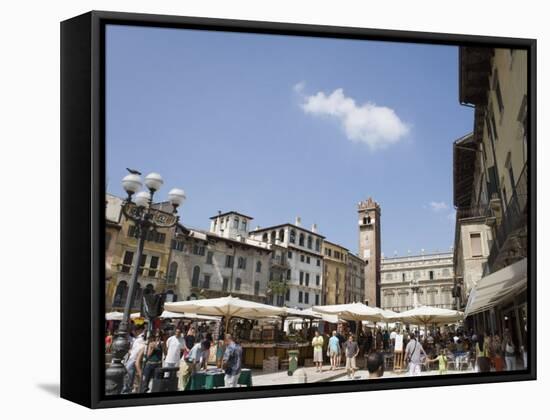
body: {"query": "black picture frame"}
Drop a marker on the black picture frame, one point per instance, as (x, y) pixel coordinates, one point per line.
(83, 192)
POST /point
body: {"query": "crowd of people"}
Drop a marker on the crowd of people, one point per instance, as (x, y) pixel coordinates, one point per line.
(464, 351)
(186, 348)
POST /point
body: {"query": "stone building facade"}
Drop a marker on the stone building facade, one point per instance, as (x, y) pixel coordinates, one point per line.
(355, 279)
(369, 248)
(219, 262)
(303, 260)
(334, 273)
(490, 168)
(121, 258)
(432, 273)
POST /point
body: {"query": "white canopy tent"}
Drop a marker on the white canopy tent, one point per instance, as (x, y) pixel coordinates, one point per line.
(227, 307)
(496, 287)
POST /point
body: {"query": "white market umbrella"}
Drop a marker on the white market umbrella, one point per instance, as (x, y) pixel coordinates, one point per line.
(177, 315)
(227, 307)
(428, 315)
(387, 315)
(351, 312)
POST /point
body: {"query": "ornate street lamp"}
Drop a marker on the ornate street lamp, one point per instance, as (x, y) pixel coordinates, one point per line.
(147, 219)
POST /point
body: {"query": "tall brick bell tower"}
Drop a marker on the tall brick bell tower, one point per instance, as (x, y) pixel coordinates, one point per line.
(369, 248)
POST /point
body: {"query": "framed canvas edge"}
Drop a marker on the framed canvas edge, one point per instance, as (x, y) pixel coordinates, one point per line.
(98, 19)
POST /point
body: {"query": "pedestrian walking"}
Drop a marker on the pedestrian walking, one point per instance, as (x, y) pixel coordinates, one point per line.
(317, 343)
(152, 357)
(334, 350)
(135, 350)
(442, 362)
(414, 355)
(352, 350)
(232, 362)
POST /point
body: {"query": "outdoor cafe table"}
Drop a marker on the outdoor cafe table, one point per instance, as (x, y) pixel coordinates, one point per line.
(215, 379)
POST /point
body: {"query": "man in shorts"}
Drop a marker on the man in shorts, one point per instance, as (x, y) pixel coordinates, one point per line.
(352, 350)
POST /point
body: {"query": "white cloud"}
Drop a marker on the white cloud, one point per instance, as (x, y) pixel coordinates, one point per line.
(438, 205)
(377, 126)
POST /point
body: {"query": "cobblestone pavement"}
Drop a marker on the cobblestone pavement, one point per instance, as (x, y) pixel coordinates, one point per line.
(364, 374)
(279, 378)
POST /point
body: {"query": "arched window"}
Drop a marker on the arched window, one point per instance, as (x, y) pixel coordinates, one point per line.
(281, 235)
(120, 293)
(264, 237)
(301, 240)
(238, 283)
(292, 236)
(273, 236)
(259, 267)
(172, 273)
(195, 278)
(318, 245)
(309, 242)
(138, 293)
(256, 288)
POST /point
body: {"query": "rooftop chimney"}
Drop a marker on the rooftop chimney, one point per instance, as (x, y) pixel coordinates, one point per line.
(314, 228)
(298, 221)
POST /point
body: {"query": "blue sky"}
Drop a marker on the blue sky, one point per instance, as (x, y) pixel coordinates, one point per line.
(277, 126)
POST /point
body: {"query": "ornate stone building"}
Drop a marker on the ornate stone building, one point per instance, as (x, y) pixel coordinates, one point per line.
(432, 273)
(303, 260)
(369, 248)
(121, 245)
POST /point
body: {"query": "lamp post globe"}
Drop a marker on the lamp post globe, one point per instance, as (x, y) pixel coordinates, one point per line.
(131, 183)
(154, 181)
(176, 197)
(142, 198)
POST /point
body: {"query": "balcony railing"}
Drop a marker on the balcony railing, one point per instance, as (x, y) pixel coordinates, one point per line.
(514, 218)
(471, 212)
(152, 273)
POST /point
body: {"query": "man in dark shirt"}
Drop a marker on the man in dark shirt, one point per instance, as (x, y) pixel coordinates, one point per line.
(232, 362)
(352, 350)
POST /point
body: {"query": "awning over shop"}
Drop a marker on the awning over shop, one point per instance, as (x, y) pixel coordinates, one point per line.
(497, 287)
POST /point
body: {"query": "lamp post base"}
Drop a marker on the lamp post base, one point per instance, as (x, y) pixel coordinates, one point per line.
(116, 372)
